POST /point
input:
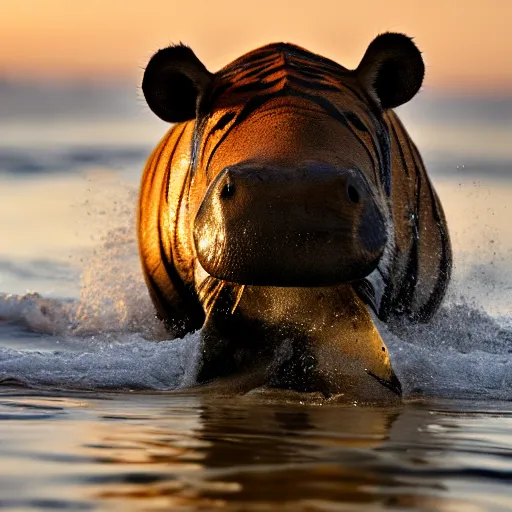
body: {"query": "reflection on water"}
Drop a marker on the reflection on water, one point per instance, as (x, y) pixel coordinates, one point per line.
(189, 452)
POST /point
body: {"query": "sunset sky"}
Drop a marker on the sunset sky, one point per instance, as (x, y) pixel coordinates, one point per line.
(467, 44)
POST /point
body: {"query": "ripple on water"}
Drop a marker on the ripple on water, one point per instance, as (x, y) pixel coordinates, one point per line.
(190, 452)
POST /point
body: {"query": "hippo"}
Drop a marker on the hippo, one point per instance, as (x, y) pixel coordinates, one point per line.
(285, 210)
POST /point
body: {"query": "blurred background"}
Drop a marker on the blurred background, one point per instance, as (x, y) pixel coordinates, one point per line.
(75, 130)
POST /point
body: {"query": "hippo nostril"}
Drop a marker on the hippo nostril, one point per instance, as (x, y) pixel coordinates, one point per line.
(353, 194)
(227, 191)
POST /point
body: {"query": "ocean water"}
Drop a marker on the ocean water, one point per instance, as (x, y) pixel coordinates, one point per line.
(89, 413)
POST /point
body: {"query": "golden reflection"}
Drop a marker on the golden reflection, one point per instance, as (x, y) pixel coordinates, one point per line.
(185, 451)
(247, 454)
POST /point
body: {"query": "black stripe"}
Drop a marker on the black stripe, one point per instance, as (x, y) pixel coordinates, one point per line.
(381, 148)
(249, 60)
(315, 70)
(197, 137)
(253, 72)
(255, 86)
(384, 144)
(445, 260)
(411, 276)
(309, 63)
(249, 107)
(169, 164)
(210, 99)
(356, 121)
(313, 86)
(220, 125)
(222, 122)
(155, 289)
(181, 289)
(164, 199)
(400, 149)
(310, 71)
(157, 159)
(262, 73)
(185, 185)
(186, 295)
(247, 66)
(188, 320)
(155, 162)
(288, 50)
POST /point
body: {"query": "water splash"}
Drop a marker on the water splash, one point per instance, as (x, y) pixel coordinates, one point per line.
(463, 352)
(103, 362)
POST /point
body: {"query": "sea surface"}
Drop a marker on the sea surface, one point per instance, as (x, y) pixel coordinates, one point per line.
(90, 418)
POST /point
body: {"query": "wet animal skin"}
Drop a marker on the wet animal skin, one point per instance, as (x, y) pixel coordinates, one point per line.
(286, 202)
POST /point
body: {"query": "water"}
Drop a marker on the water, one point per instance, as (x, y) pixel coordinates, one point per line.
(88, 415)
(84, 451)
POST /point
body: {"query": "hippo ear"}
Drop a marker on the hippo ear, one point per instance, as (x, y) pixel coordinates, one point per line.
(174, 82)
(391, 70)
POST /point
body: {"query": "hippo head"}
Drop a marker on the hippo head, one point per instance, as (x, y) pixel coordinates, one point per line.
(291, 172)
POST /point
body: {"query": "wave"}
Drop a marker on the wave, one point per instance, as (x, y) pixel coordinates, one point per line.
(462, 353)
(103, 362)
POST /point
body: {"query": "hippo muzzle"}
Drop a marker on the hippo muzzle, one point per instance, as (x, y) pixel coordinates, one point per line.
(307, 225)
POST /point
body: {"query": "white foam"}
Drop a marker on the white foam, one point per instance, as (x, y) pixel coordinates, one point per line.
(462, 352)
(131, 364)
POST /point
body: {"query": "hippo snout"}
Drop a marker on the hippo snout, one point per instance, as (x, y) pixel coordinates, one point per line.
(312, 225)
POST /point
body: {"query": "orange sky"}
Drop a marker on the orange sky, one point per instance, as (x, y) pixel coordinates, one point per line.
(467, 44)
